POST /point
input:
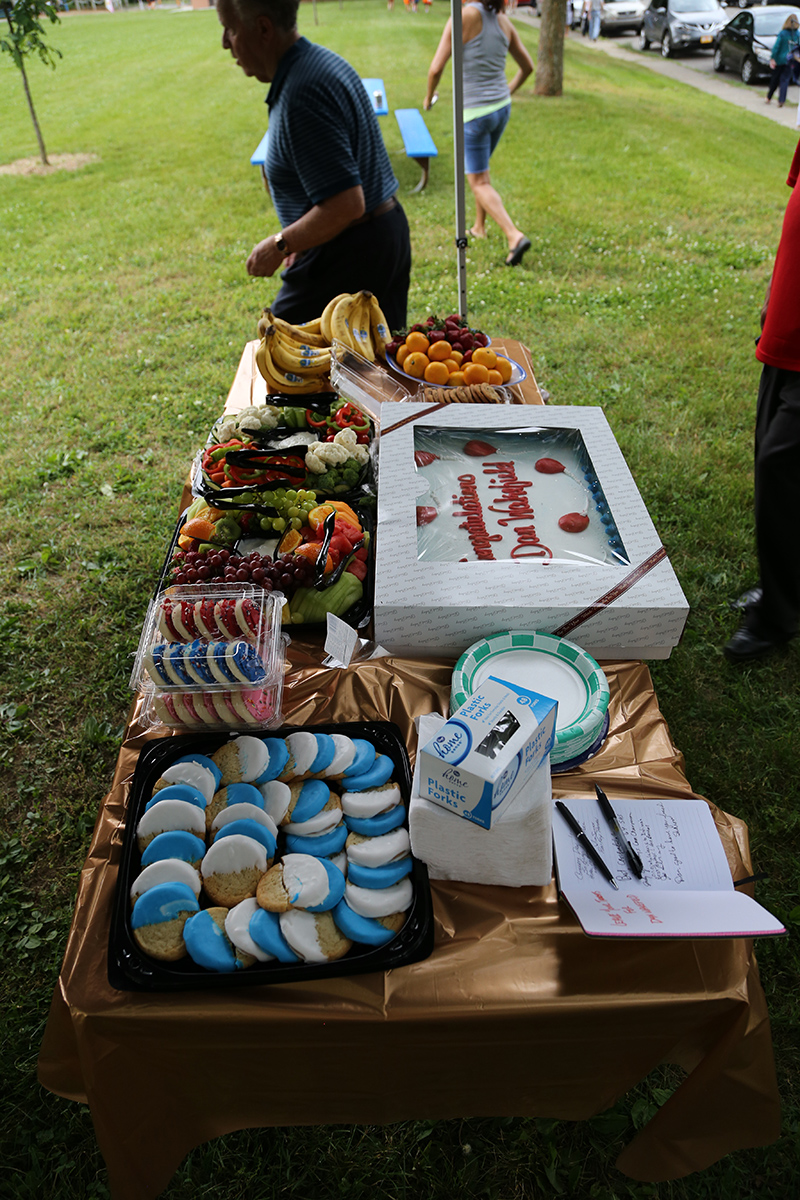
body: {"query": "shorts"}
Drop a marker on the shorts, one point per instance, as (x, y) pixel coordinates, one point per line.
(481, 135)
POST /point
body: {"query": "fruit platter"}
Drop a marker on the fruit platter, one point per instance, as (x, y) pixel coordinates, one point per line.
(448, 353)
(314, 552)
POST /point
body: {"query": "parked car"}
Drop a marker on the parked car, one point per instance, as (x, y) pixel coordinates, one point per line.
(682, 25)
(745, 43)
(619, 15)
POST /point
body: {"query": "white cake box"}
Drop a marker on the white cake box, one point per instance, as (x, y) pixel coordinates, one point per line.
(487, 751)
(485, 552)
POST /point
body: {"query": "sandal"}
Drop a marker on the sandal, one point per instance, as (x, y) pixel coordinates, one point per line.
(515, 256)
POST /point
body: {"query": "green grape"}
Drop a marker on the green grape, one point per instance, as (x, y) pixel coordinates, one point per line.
(294, 511)
(291, 495)
(279, 524)
(297, 524)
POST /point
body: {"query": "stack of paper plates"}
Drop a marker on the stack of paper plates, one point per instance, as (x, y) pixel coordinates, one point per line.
(551, 666)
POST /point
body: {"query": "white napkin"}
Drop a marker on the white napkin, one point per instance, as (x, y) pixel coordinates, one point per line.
(516, 852)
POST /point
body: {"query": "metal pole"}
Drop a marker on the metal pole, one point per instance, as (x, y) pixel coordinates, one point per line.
(458, 157)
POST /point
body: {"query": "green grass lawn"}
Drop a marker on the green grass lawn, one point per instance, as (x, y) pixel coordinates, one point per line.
(654, 213)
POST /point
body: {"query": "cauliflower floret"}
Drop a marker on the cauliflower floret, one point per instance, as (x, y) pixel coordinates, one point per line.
(263, 416)
(349, 439)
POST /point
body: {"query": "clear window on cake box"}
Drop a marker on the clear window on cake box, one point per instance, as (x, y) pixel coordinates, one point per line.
(529, 496)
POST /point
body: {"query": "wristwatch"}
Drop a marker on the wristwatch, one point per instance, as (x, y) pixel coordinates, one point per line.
(280, 245)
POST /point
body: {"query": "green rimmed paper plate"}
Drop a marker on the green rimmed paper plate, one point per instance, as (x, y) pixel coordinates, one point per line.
(549, 665)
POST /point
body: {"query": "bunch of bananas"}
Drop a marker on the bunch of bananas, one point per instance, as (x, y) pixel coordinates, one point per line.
(297, 358)
(356, 321)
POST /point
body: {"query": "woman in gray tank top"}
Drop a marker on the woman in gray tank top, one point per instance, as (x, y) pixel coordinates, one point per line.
(488, 37)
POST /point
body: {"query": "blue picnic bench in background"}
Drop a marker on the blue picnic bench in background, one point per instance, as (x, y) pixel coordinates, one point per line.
(417, 141)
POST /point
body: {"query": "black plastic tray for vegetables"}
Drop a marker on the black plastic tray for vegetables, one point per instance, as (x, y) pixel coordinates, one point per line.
(321, 444)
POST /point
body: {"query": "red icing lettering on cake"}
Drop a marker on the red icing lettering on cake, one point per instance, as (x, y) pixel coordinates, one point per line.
(513, 502)
(473, 521)
(548, 466)
(424, 458)
(426, 514)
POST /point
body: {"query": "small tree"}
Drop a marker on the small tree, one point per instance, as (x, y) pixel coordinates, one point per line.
(26, 36)
(550, 57)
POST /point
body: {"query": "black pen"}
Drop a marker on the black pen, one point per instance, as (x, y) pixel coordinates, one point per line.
(587, 845)
(634, 862)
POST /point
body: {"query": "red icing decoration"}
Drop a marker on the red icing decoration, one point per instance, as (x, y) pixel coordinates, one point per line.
(548, 466)
(424, 458)
(478, 449)
(426, 514)
(573, 522)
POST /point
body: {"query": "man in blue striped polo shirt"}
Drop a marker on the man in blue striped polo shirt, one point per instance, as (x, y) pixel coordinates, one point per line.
(329, 175)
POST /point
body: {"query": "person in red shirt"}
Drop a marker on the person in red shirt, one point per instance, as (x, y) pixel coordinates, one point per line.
(772, 609)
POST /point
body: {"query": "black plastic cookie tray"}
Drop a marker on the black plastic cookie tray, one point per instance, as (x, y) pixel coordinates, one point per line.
(129, 969)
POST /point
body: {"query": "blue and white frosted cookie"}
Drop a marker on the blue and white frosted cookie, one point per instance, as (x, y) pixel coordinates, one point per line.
(165, 870)
(363, 758)
(319, 845)
(308, 798)
(175, 843)
(373, 777)
(344, 752)
(173, 664)
(378, 862)
(158, 919)
(278, 758)
(237, 927)
(231, 869)
(233, 793)
(243, 812)
(194, 773)
(252, 829)
(242, 759)
(301, 881)
(380, 877)
(314, 937)
(178, 791)
(372, 931)
(383, 902)
(277, 797)
(371, 801)
(265, 930)
(327, 819)
(170, 815)
(384, 822)
(244, 662)
(304, 750)
(153, 662)
(208, 944)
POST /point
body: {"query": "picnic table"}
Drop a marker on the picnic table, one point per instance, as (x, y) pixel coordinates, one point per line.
(516, 1012)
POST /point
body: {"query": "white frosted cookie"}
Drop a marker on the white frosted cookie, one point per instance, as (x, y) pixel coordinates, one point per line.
(231, 869)
(344, 753)
(369, 804)
(194, 774)
(377, 851)
(166, 816)
(313, 936)
(322, 822)
(380, 902)
(237, 927)
(242, 759)
(167, 870)
(242, 812)
(277, 798)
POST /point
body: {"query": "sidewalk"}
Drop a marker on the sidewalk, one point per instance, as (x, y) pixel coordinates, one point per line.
(724, 86)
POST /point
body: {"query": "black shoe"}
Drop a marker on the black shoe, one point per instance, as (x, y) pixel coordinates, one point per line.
(745, 646)
(747, 599)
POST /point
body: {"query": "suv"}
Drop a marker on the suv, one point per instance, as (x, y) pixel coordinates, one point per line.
(682, 25)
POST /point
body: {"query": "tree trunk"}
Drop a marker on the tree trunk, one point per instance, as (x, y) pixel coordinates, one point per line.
(42, 151)
(550, 58)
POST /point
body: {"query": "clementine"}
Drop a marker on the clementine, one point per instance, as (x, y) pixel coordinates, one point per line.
(415, 363)
(439, 351)
(457, 355)
(485, 357)
(417, 342)
(457, 379)
(476, 373)
(402, 354)
(494, 377)
(504, 367)
(436, 372)
(451, 365)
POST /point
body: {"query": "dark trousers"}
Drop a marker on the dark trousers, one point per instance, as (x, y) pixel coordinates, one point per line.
(374, 255)
(777, 487)
(780, 78)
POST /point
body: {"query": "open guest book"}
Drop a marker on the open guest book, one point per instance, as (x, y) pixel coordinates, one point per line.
(686, 889)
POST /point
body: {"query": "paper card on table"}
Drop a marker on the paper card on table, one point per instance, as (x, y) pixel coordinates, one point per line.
(340, 642)
(686, 888)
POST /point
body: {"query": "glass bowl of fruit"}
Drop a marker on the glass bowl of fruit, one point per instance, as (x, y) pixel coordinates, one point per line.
(449, 353)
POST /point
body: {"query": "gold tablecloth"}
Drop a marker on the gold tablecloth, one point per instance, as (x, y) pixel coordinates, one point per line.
(516, 1013)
